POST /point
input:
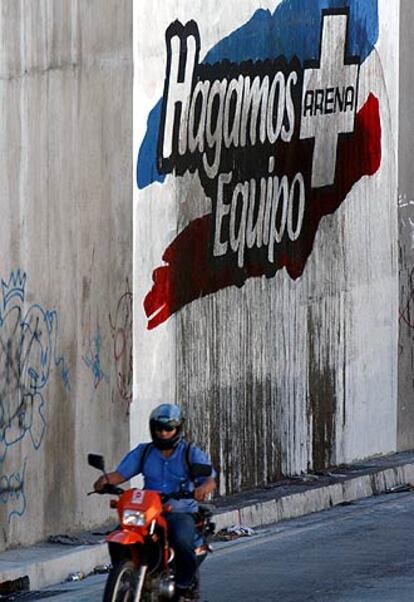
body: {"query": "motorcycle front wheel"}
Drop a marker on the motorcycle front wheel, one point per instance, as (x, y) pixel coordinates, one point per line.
(125, 583)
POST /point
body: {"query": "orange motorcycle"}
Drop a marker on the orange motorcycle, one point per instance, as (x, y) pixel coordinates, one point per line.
(142, 559)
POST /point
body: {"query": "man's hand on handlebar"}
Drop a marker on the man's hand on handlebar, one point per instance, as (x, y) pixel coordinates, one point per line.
(201, 492)
(100, 483)
(113, 478)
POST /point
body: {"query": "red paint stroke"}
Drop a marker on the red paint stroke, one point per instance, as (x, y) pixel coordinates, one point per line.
(188, 273)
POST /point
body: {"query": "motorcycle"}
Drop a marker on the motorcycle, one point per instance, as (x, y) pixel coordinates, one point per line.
(141, 557)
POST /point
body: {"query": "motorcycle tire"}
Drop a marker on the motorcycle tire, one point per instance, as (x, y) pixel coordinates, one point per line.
(121, 583)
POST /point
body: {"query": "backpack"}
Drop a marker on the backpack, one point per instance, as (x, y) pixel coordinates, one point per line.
(150, 445)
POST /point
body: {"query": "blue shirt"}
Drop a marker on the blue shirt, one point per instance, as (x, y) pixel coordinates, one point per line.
(166, 475)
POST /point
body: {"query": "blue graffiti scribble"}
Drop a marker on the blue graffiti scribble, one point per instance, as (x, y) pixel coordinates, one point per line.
(293, 29)
(27, 355)
(12, 492)
(93, 360)
(59, 361)
(14, 287)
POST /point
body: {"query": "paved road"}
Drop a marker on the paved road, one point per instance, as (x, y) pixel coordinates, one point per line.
(361, 552)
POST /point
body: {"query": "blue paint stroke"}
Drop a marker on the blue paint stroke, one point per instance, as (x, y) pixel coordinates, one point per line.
(12, 492)
(147, 171)
(15, 287)
(27, 354)
(59, 360)
(93, 360)
(292, 30)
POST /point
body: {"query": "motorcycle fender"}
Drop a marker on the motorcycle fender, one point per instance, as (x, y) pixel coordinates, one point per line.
(125, 538)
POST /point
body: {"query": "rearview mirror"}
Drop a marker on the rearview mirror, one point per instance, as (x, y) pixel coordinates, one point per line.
(97, 461)
(201, 470)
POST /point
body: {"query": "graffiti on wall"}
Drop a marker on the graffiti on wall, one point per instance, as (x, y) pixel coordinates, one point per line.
(406, 227)
(28, 353)
(406, 218)
(406, 311)
(92, 360)
(12, 492)
(273, 123)
(121, 330)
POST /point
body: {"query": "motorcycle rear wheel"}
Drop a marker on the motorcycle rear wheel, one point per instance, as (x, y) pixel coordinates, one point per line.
(121, 583)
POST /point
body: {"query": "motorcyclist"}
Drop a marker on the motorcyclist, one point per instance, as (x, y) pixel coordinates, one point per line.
(165, 466)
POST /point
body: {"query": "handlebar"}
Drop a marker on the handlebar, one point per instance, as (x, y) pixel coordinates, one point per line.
(109, 489)
(180, 495)
(115, 490)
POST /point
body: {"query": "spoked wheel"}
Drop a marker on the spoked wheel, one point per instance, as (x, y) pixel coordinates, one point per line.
(123, 582)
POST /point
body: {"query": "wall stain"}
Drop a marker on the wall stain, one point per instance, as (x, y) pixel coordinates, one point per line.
(322, 399)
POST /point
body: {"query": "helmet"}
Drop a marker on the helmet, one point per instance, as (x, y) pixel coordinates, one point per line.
(170, 416)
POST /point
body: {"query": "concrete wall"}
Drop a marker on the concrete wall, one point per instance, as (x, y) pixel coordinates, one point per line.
(406, 233)
(283, 353)
(65, 244)
(281, 341)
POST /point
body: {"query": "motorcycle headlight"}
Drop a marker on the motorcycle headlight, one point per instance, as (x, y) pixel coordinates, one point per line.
(133, 518)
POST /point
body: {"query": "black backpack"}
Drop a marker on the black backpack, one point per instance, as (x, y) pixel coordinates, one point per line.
(149, 446)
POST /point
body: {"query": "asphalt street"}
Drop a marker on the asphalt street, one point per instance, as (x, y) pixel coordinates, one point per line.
(360, 552)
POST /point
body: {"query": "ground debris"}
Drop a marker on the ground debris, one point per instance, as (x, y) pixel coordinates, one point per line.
(330, 474)
(73, 540)
(400, 488)
(233, 532)
(77, 576)
(21, 584)
(101, 569)
(305, 477)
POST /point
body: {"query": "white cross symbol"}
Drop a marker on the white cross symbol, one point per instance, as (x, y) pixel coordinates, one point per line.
(329, 99)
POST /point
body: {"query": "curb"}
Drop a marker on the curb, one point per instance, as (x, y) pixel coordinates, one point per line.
(315, 498)
(48, 564)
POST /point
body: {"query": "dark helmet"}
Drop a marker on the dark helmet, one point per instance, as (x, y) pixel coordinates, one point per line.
(168, 416)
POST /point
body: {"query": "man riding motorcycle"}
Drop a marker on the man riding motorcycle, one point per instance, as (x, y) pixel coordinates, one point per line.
(166, 467)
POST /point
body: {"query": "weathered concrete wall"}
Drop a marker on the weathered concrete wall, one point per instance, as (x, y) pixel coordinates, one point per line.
(406, 233)
(266, 277)
(65, 244)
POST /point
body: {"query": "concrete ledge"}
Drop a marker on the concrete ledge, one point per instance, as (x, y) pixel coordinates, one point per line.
(48, 564)
(315, 498)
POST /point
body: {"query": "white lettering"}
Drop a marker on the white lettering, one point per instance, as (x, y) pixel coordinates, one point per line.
(237, 240)
(215, 138)
(179, 93)
(290, 108)
(232, 136)
(258, 219)
(280, 191)
(220, 248)
(278, 83)
(293, 233)
(197, 140)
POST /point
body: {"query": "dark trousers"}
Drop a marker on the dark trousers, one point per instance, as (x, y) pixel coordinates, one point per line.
(182, 531)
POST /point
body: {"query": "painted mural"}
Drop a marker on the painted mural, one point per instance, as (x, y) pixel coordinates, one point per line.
(273, 122)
